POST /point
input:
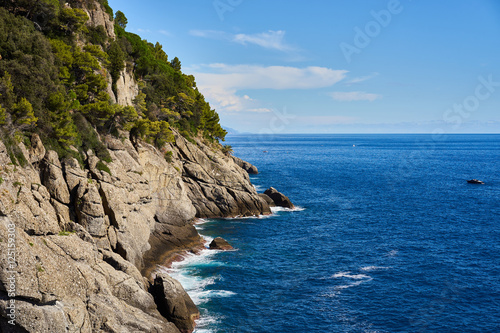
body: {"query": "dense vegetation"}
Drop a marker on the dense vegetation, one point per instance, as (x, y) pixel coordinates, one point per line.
(53, 82)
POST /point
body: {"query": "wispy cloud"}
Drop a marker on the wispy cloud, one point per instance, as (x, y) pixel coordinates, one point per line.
(143, 30)
(165, 33)
(269, 77)
(213, 34)
(273, 40)
(260, 110)
(220, 83)
(361, 78)
(354, 96)
(269, 40)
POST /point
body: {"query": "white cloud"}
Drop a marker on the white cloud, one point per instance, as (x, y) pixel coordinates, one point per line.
(270, 77)
(165, 32)
(354, 96)
(274, 40)
(220, 83)
(269, 40)
(260, 110)
(361, 78)
(213, 34)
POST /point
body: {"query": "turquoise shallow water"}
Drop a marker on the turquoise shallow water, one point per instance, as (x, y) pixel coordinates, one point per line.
(389, 237)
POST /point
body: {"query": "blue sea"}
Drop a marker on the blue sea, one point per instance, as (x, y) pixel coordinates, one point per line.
(388, 237)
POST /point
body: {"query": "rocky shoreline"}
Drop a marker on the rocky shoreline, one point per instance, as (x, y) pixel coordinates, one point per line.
(88, 240)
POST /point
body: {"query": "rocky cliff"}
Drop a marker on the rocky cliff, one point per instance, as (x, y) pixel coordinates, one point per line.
(80, 239)
(83, 236)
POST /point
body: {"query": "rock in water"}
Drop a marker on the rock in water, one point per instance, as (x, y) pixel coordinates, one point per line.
(249, 168)
(268, 199)
(220, 244)
(174, 303)
(279, 198)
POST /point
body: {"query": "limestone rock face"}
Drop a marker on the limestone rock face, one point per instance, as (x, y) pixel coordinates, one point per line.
(37, 150)
(64, 285)
(279, 198)
(126, 88)
(89, 209)
(53, 177)
(250, 168)
(174, 303)
(217, 185)
(99, 17)
(220, 243)
(24, 199)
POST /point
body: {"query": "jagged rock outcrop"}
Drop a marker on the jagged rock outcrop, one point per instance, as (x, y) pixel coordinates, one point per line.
(64, 285)
(217, 185)
(278, 198)
(174, 303)
(220, 243)
(250, 168)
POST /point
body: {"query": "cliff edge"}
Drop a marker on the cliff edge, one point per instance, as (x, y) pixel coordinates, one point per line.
(87, 240)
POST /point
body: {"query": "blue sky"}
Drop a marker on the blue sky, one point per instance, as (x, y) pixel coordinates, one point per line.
(332, 66)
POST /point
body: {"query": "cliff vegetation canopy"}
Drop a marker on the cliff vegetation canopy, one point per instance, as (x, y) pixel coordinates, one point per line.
(55, 69)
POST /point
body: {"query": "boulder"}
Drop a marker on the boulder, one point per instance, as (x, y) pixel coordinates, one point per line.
(279, 199)
(174, 303)
(268, 199)
(250, 168)
(220, 243)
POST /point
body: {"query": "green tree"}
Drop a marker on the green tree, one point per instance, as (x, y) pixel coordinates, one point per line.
(176, 64)
(159, 53)
(121, 19)
(72, 21)
(116, 63)
(23, 114)
(3, 116)
(59, 104)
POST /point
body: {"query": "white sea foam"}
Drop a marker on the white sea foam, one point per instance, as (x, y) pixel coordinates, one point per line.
(258, 188)
(353, 284)
(392, 253)
(350, 276)
(352, 280)
(186, 272)
(374, 268)
(206, 320)
(274, 210)
(248, 217)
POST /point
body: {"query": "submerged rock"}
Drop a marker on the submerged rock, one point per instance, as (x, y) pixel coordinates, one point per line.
(220, 243)
(174, 303)
(279, 199)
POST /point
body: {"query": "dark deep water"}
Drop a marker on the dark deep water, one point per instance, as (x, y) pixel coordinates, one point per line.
(391, 238)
